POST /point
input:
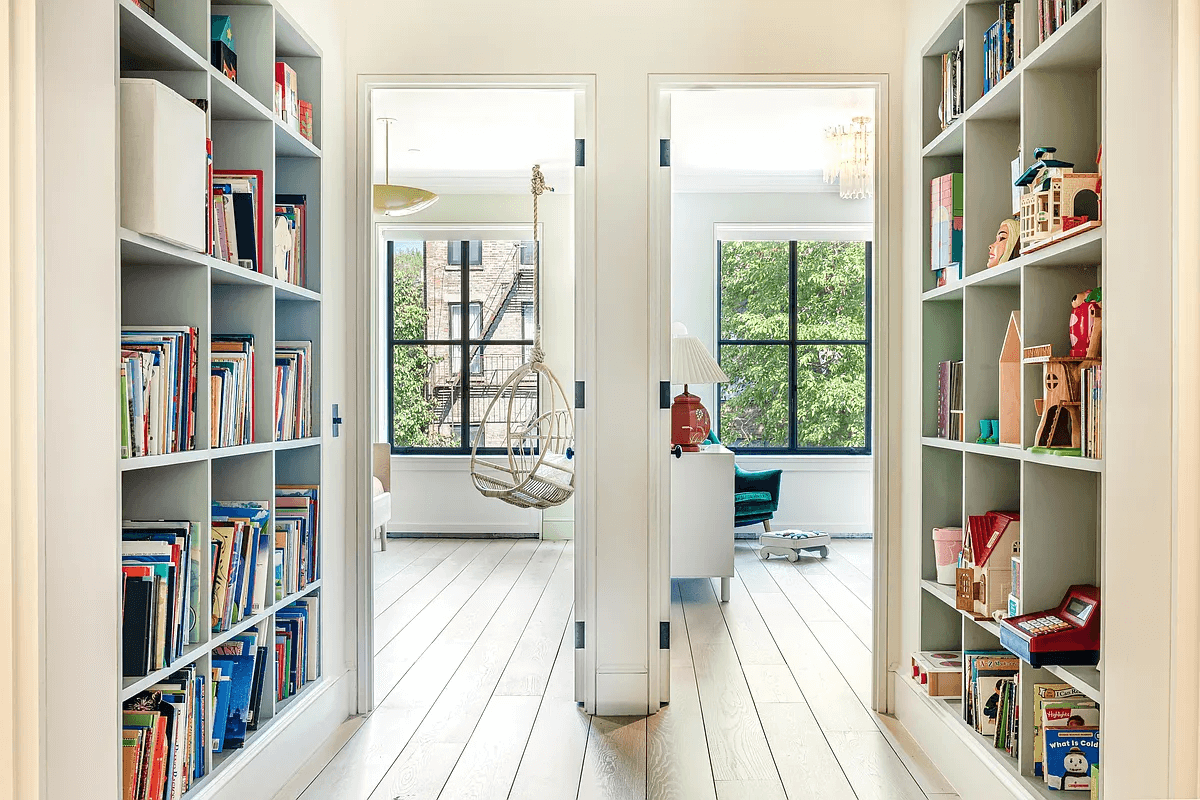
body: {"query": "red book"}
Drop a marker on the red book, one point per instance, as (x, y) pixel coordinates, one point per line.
(256, 179)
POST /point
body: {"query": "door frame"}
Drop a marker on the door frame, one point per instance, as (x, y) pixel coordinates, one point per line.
(361, 422)
(885, 388)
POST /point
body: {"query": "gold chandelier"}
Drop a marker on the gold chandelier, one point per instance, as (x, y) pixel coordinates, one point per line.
(394, 200)
(850, 158)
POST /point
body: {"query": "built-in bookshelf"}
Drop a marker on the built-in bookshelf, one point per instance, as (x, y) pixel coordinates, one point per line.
(167, 285)
(1053, 97)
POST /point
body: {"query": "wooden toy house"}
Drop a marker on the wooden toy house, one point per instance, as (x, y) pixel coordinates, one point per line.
(1059, 201)
(1058, 407)
(982, 587)
(1010, 383)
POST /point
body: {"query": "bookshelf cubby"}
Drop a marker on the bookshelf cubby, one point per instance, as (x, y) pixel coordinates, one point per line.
(162, 284)
(1052, 98)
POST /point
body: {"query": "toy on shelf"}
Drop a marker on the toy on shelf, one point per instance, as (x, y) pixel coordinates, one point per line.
(1085, 324)
(224, 52)
(1007, 245)
(1061, 426)
(1060, 202)
(1067, 635)
(1010, 383)
(989, 431)
(983, 583)
(946, 226)
(789, 544)
(947, 549)
(939, 672)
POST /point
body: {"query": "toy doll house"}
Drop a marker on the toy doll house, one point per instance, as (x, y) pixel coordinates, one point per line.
(1059, 202)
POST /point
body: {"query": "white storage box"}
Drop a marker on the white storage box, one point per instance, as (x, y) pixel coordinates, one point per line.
(163, 164)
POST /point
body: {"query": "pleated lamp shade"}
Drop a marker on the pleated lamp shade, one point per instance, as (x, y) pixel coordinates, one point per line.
(691, 363)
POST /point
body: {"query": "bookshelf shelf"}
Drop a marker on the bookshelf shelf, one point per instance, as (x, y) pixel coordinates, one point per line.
(163, 284)
(1059, 79)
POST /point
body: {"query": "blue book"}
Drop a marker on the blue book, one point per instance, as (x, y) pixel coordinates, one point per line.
(1070, 755)
(221, 713)
(241, 671)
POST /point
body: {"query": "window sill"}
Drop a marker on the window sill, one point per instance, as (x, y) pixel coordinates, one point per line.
(806, 463)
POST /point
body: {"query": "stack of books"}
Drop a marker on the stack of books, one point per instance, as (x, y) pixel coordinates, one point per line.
(162, 737)
(1066, 737)
(1091, 385)
(954, 78)
(239, 668)
(160, 597)
(237, 214)
(158, 390)
(296, 562)
(990, 695)
(241, 552)
(291, 110)
(232, 411)
(1002, 45)
(290, 238)
(950, 422)
(1053, 14)
(297, 647)
(293, 390)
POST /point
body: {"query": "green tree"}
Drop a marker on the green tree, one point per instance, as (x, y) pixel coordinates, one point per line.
(414, 412)
(831, 379)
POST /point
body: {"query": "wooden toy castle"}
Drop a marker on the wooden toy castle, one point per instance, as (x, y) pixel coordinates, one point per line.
(1060, 202)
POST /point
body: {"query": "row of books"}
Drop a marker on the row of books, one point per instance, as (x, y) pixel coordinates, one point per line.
(296, 539)
(237, 217)
(291, 238)
(162, 737)
(239, 669)
(1002, 44)
(1053, 14)
(297, 646)
(950, 422)
(985, 674)
(241, 551)
(160, 593)
(1066, 738)
(1091, 385)
(157, 390)
(289, 108)
(953, 104)
(232, 401)
(293, 390)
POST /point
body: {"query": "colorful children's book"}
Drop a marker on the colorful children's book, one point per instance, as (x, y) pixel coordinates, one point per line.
(1070, 755)
(946, 211)
(1044, 693)
(989, 673)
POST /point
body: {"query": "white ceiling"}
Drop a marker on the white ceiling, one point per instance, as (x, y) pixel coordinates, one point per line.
(764, 138)
(486, 140)
(476, 140)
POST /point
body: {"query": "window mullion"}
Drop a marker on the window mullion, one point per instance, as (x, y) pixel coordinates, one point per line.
(464, 336)
(793, 333)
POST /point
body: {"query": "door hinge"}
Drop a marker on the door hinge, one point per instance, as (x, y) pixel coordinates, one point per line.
(664, 394)
(337, 421)
(664, 152)
(579, 152)
(579, 395)
(664, 636)
(579, 634)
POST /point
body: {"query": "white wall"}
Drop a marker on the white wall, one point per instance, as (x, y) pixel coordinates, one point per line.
(621, 42)
(434, 494)
(831, 493)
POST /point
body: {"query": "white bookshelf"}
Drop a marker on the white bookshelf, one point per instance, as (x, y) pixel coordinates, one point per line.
(162, 284)
(1051, 98)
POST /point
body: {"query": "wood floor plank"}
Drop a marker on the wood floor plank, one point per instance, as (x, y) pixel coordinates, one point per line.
(849, 655)
(705, 623)
(805, 760)
(553, 759)
(681, 643)
(391, 620)
(420, 772)
(874, 770)
(736, 744)
(849, 607)
(749, 565)
(751, 790)
(385, 564)
(808, 601)
(851, 576)
(751, 638)
(489, 762)
(413, 573)
(772, 683)
(859, 552)
(529, 667)
(614, 767)
(678, 766)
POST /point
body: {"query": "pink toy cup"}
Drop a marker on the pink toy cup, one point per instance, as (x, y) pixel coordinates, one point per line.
(947, 547)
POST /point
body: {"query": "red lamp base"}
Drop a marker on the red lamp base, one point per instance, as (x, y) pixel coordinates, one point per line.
(690, 422)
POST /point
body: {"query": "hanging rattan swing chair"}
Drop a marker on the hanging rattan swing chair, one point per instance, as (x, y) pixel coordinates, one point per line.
(537, 469)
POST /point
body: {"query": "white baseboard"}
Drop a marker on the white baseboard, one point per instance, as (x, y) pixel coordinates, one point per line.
(462, 527)
(558, 529)
(824, 527)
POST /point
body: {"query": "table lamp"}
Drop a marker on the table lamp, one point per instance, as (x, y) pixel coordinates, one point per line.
(691, 363)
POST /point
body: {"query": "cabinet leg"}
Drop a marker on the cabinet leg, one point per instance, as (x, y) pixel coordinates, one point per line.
(724, 590)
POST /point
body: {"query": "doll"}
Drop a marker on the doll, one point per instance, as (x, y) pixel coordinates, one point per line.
(1007, 245)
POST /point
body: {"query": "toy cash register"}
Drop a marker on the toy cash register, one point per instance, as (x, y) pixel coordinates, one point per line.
(1067, 635)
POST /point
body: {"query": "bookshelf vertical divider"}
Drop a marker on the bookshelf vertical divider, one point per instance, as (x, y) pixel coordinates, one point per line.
(1051, 98)
(163, 284)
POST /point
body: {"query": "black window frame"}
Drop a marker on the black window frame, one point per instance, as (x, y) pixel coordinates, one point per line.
(464, 341)
(474, 254)
(793, 343)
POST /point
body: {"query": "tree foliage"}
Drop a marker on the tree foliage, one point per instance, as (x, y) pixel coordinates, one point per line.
(831, 379)
(414, 411)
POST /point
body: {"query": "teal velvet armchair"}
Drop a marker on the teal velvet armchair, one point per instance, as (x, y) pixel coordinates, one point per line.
(755, 493)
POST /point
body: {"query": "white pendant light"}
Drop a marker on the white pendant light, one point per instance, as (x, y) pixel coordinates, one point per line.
(393, 200)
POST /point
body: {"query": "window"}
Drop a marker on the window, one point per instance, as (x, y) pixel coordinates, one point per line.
(528, 326)
(794, 337)
(528, 249)
(474, 254)
(435, 405)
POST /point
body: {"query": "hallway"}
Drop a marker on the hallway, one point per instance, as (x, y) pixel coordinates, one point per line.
(474, 684)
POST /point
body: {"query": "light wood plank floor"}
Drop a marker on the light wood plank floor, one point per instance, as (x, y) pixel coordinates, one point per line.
(474, 688)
